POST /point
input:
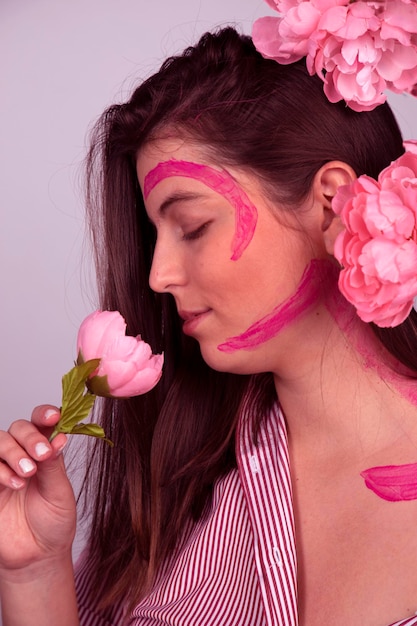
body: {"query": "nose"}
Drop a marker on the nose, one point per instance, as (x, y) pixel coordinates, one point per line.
(167, 269)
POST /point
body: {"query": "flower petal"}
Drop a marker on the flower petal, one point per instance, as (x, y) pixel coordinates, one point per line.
(95, 331)
(126, 363)
(378, 248)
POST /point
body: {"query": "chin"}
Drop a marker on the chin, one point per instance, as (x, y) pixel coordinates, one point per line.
(239, 362)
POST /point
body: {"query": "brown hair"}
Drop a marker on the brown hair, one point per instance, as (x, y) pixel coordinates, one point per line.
(172, 443)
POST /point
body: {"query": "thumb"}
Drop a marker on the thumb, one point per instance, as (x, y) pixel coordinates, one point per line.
(53, 483)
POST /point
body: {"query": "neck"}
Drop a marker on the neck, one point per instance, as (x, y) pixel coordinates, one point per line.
(344, 396)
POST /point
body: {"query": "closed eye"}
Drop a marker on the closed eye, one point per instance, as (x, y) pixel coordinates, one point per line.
(197, 233)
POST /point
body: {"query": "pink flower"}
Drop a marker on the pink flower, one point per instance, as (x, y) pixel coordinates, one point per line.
(127, 367)
(411, 145)
(359, 49)
(286, 39)
(378, 248)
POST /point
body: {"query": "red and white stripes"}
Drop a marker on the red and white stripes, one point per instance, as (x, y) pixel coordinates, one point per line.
(237, 567)
(265, 475)
(214, 580)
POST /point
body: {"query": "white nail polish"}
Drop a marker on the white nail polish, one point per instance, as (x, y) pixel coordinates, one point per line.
(50, 413)
(61, 449)
(17, 483)
(26, 465)
(41, 449)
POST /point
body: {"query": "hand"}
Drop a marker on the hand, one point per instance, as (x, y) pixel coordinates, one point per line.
(37, 504)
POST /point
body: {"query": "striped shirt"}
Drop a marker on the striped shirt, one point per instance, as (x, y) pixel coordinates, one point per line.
(238, 565)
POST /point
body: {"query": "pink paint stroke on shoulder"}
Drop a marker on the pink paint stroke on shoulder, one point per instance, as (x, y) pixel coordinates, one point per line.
(394, 483)
(317, 277)
(219, 181)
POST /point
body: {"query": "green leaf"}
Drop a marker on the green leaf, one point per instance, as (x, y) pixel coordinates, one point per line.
(74, 392)
(77, 410)
(77, 402)
(99, 386)
(93, 430)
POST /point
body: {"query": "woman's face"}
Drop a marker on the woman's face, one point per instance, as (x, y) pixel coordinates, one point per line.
(221, 252)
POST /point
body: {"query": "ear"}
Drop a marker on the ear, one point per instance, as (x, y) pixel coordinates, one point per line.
(328, 179)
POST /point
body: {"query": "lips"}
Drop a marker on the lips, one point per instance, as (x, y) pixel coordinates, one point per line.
(192, 319)
(187, 315)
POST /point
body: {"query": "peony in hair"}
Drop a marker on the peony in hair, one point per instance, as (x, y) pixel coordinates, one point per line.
(378, 248)
(359, 49)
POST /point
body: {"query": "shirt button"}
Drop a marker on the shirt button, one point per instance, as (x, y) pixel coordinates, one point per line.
(254, 465)
(276, 556)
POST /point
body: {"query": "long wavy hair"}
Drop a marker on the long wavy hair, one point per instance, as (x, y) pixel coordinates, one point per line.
(173, 443)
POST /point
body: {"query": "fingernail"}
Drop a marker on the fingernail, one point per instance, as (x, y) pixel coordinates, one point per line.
(41, 449)
(26, 465)
(50, 413)
(17, 483)
(61, 449)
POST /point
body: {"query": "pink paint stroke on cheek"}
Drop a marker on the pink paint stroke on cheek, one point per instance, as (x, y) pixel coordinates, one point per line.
(219, 181)
(394, 483)
(316, 277)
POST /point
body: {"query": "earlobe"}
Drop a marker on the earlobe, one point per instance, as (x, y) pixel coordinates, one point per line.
(326, 183)
(331, 232)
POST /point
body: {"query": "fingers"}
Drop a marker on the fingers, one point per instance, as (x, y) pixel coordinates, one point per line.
(45, 416)
(24, 446)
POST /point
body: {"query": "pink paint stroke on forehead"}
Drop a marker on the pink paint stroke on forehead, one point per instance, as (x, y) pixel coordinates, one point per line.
(219, 181)
(316, 277)
(394, 483)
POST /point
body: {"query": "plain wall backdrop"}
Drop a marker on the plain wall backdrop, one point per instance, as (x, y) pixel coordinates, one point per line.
(62, 63)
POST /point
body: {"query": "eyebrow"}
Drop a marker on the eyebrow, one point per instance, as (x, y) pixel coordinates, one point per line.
(179, 196)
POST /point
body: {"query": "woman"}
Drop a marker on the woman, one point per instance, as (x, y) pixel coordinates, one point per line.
(215, 184)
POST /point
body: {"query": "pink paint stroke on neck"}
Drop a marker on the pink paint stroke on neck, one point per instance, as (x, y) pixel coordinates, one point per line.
(374, 355)
(219, 181)
(394, 483)
(315, 280)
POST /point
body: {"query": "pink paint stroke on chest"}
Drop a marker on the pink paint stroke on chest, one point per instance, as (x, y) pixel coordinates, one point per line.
(317, 276)
(219, 181)
(394, 483)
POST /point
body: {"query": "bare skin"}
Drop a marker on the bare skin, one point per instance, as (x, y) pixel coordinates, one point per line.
(357, 553)
(37, 509)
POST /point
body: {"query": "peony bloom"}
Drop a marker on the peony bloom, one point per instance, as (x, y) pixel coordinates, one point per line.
(378, 248)
(359, 49)
(127, 367)
(411, 145)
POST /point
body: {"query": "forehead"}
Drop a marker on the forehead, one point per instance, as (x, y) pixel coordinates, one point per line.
(164, 150)
(183, 164)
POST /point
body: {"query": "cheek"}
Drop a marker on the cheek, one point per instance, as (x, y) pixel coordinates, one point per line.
(246, 217)
(317, 277)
